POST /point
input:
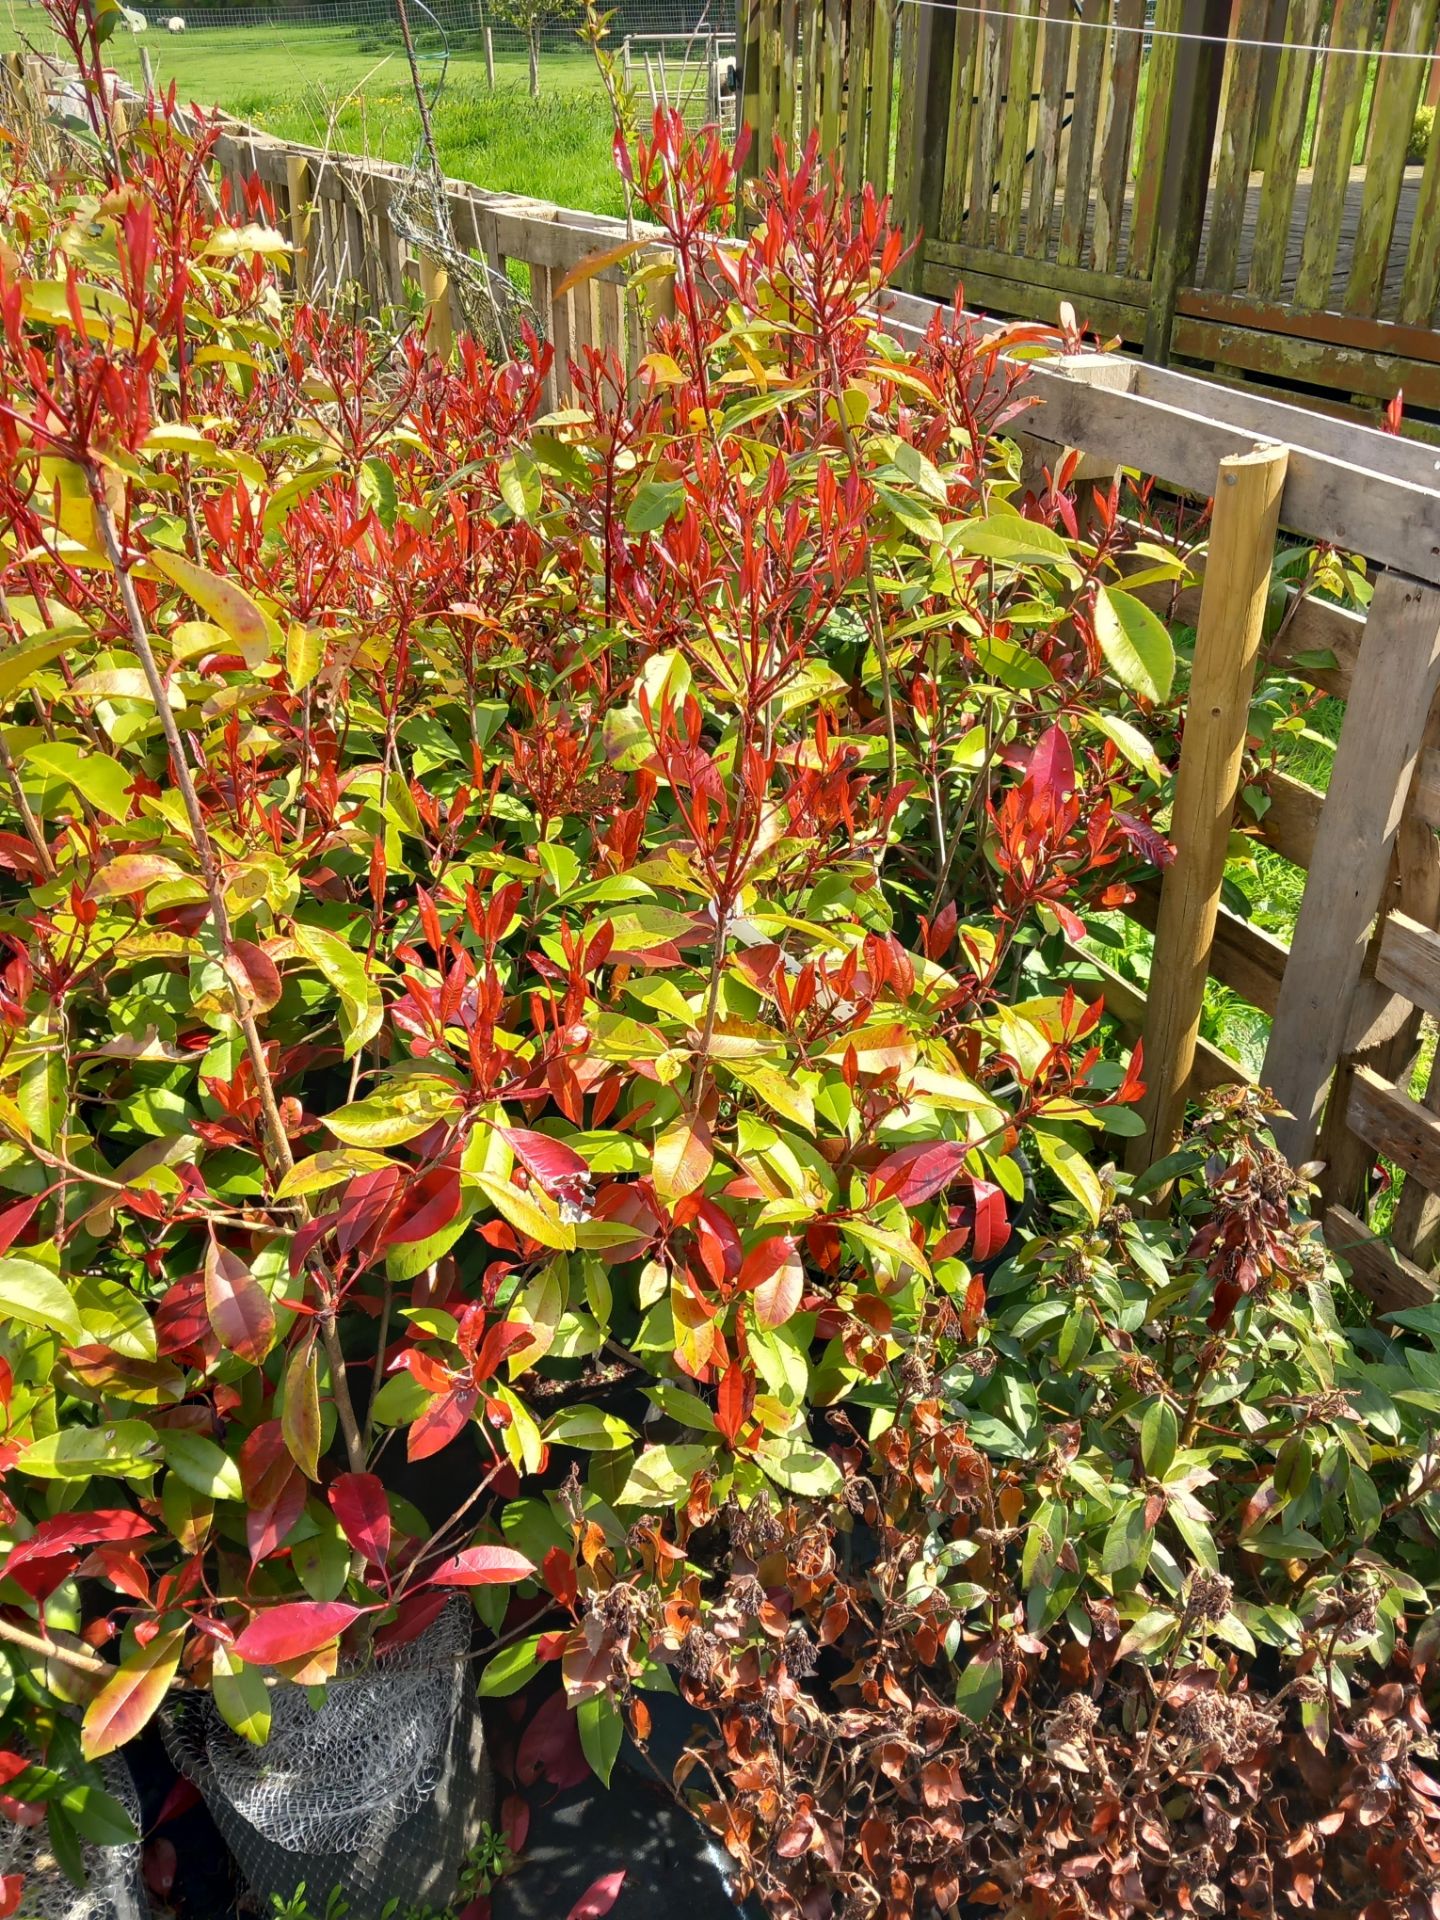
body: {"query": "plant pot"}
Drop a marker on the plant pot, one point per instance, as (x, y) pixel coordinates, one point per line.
(113, 1887)
(381, 1791)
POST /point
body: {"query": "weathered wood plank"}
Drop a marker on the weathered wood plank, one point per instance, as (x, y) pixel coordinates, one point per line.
(857, 93)
(1085, 281)
(1227, 646)
(985, 121)
(882, 70)
(1397, 93)
(1015, 125)
(1351, 369)
(1286, 135)
(1040, 301)
(1335, 128)
(1290, 822)
(1409, 961)
(1397, 1126)
(1116, 129)
(1084, 115)
(788, 101)
(1243, 957)
(832, 75)
(1159, 100)
(1393, 521)
(1049, 117)
(1374, 762)
(1385, 1277)
(1185, 165)
(1422, 264)
(1239, 118)
(956, 183)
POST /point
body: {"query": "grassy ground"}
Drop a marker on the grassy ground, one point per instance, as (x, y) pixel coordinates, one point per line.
(352, 86)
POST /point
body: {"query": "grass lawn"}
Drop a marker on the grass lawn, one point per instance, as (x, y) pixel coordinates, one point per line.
(301, 83)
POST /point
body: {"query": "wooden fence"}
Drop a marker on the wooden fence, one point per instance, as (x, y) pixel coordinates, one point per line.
(1195, 194)
(1346, 998)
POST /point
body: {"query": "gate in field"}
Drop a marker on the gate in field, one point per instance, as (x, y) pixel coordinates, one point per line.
(1220, 180)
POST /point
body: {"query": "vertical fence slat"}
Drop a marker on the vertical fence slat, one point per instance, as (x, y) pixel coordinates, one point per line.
(832, 74)
(299, 218)
(750, 107)
(1049, 123)
(1374, 762)
(957, 146)
(1422, 267)
(1286, 135)
(1159, 100)
(1336, 123)
(1217, 717)
(1084, 112)
(1239, 124)
(1116, 130)
(985, 122)
(1015, 126)
(809, 69)
(857, 89)
(788, 102)
(882, 80)
(1397, 94)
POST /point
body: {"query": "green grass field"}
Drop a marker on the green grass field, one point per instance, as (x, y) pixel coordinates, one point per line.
(351, 86)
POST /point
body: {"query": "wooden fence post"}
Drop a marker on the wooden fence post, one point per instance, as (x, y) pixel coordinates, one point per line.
(927, 54)
(1199, 69)
(1217, 716)
(297, 190)
(1394, 686)
(435, 285)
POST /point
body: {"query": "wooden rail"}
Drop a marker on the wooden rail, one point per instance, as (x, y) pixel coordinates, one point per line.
(1347, 997)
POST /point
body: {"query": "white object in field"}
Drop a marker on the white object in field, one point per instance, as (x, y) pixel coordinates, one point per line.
(131, 20)
(725, 77)
(175, 24)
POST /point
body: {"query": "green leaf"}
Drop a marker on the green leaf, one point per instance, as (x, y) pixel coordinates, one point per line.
(361, 1009)
(510, 1669)
(1159, 1437)
(241, 1696)
(1127, 1540)
(1072, 1170)
(655, 502)
(400, 1111)
(300, 1415)
(1008, 537)
(601, 1730)
(589, 1429)
(798, 1467)
(520, 485)
(1149, 1633)
(203, 1466)
(253, 630)
(36, 1297)
(102, 781)
(978, 1687)
(99, 1817)
(1136, 646)
(125, 1448)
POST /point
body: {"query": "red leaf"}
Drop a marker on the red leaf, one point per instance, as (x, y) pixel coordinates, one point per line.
(732, 1403)
(499, 1342)
(483, 1567)
(14, 1218)
(558, 1168)
(432, 1203)
(366, 1203)
(992, 1229)
(550, 1747)
(68, 1532)
(260, 977)
(440, 1423)
(413, 1616)
(772, 1272)
(598, 1898)
(274, 1489)
(358, 1502)
(293, 1629)
(12, 1885)
(515, 1821)
(1052, 767)
(238, 1306)
(558, 1573)
(914, 1174)
(159, 1864)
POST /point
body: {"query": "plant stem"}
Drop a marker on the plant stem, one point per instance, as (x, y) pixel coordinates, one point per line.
(75, 1657)
(204, 847)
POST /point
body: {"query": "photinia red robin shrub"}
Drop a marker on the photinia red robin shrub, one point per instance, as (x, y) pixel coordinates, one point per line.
(527, 932)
